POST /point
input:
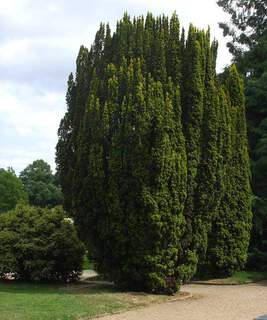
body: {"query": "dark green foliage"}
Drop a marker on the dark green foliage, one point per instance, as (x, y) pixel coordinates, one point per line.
(192, 102)
(257, 259)
(40, 184)
(230, 234)
(12, 190)
(256, 102)
(145, 179)
(207, 197)
(137, 176)
(39, 244)
(65, 145)
(248, 31)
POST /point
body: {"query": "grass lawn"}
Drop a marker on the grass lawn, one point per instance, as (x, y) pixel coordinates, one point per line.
(24, 301)
(244, 277)
(241, 277)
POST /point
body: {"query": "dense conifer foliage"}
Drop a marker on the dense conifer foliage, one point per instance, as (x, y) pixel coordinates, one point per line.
(147, 150)
(247, 29)
(229, 237)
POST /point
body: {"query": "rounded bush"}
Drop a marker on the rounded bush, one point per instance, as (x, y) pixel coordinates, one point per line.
(39, 244)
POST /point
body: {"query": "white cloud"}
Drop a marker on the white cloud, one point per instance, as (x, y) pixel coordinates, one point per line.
(10, 6)
(29, 123)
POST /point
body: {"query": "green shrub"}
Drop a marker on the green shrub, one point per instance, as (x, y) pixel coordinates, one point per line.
(39, 244)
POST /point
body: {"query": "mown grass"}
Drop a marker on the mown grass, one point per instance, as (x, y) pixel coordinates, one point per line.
(244, 277)
(27, 301)
(241, 277)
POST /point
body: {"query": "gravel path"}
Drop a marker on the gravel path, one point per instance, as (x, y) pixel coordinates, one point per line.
(209, 302)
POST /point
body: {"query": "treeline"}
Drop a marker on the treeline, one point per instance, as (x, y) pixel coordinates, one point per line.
(36, 185)
(152, 155)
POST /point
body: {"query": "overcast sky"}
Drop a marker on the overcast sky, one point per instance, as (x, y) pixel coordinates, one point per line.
(39, 42)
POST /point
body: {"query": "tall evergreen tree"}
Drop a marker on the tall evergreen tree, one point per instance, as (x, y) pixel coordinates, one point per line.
(147, 138)
(65, 148)
(231, 227)
(247, 29)
(174, 50)
(207, 194)
(192, 104)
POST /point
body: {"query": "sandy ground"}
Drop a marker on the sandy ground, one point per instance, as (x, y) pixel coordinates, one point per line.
(209, 302)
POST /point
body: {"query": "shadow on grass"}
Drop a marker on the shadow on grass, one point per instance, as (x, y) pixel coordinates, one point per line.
(238, 278)
(79, 287)
(58, 301)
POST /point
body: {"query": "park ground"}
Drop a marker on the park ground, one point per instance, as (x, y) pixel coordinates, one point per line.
(209, 302)
(90, 298)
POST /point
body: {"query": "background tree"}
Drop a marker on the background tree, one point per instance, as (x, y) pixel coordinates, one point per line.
(247, 26)
(40, 184)
(248, 31)
(12, 191)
